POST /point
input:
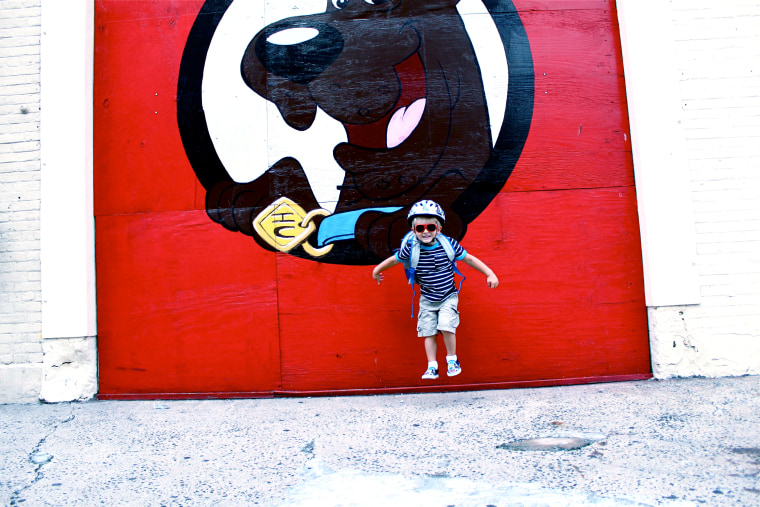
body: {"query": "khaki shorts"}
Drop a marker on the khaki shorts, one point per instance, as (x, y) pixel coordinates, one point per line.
(440, 316)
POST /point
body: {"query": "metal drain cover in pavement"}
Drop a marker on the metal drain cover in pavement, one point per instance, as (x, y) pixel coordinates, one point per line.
(547, 444)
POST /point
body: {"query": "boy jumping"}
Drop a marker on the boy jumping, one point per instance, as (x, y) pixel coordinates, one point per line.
(434, 273)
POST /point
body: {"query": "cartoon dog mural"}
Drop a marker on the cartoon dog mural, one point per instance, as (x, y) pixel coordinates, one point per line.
(403, 79)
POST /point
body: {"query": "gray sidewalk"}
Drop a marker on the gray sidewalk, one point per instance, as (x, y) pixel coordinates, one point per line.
(676, 442)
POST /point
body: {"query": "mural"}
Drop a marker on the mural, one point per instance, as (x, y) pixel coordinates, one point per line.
(252, 158)
(394, 89)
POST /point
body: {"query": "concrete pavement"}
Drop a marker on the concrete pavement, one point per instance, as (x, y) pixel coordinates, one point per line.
(674, 443)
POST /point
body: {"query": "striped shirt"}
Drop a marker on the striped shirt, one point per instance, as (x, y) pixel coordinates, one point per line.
(435, 272)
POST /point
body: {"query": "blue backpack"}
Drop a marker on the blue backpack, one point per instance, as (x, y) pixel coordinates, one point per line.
(410, 265)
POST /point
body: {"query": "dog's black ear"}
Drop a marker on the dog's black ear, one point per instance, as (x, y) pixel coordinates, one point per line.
(436, 5)
(444, 3)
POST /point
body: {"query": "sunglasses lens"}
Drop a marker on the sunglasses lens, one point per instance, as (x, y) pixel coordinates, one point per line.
(431, 227)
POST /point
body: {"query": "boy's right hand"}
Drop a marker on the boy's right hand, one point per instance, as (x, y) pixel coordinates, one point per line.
(377, 272)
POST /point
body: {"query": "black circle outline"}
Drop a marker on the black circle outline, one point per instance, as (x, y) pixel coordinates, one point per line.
(202, 155)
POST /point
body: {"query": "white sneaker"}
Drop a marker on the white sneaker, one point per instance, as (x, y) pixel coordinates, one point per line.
(430, 373)
(453, 368)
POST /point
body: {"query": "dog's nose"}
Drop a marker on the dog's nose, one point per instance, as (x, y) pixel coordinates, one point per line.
(298, 50)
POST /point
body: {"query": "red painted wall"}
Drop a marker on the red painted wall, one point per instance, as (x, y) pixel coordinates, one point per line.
(186, 307)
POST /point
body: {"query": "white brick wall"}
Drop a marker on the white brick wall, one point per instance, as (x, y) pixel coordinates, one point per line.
(718, 59)
(20, 292)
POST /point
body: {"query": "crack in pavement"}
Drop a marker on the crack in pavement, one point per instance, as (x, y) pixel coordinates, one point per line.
(39, 458)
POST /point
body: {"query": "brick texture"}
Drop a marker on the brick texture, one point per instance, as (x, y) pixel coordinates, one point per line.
(718, 58)
(20, 295)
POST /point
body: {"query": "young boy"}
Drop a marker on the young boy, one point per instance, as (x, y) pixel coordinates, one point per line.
(435, 276)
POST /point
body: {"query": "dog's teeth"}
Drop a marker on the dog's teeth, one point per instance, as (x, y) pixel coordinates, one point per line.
(403, 122)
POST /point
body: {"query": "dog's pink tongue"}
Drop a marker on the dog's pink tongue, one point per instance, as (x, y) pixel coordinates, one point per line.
(403, 122)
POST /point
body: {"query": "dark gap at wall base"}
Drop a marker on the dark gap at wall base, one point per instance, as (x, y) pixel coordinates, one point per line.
(379, 391)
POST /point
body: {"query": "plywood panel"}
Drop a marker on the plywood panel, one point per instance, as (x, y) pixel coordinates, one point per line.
(140, 163)
(340, 330)
(579, 135)
(176, 314)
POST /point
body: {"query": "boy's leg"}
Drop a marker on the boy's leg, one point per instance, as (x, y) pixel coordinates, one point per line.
(431, 348)
(427, 322)
(450, 340)
(452, 362)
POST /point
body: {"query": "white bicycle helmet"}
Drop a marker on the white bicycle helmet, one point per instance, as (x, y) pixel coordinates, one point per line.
(426, 208)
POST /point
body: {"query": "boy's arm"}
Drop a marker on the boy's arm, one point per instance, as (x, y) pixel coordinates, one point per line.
(476, 263)
(387, 263)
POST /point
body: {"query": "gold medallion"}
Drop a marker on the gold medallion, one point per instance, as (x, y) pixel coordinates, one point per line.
(284, 225)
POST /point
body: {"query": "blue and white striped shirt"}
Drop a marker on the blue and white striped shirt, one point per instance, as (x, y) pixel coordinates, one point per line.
(435, 272)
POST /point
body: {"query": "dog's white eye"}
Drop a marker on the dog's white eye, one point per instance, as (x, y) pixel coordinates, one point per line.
(340, 4)
(376, 2)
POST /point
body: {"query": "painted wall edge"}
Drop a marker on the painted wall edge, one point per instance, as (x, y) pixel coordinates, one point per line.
(66, 151)
(660, 161)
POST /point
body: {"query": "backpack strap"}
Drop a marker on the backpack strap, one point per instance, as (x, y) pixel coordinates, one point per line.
(449, 249)
(446, 244)
(410, 265)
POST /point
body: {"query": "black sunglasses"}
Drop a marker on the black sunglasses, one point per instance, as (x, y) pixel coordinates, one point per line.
(422, 227)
